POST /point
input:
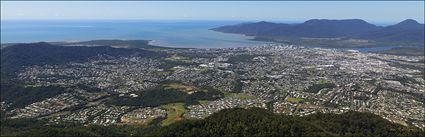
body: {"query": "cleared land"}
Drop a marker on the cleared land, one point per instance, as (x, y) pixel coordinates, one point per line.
(180, 87)
(174, 113)
(295, 100)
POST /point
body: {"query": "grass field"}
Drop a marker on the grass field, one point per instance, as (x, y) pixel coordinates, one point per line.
(323, 81)
(239, 95)
(174, 113)
(204, 101)
(180, 87)
(295, 100)
(164, 72)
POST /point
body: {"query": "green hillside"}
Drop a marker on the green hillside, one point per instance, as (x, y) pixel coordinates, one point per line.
(231, 122)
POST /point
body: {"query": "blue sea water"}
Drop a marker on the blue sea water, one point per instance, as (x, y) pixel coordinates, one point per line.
(186, 34)
(168, 33)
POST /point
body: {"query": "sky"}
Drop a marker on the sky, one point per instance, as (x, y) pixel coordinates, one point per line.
(373, 11)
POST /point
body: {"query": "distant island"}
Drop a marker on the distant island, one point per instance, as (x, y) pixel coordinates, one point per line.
(349, 33)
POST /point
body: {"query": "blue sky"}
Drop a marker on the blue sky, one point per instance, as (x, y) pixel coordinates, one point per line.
(378, 11)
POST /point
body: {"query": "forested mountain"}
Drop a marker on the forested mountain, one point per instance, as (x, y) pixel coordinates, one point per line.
(405, 31)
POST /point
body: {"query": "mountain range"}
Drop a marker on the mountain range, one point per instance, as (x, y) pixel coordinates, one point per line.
(408, 31)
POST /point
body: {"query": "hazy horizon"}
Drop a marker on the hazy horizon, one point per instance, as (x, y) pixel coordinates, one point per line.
(377, 23)
(376, 12)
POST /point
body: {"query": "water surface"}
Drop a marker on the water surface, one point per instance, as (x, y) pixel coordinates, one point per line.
(185, 34)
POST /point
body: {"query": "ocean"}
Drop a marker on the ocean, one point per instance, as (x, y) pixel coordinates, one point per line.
(182, 34)
(167, 33)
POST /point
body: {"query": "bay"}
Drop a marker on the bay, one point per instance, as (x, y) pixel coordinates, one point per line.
(168, 33)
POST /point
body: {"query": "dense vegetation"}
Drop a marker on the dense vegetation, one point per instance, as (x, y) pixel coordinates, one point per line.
(411, 51)
(159, 96)
(21, 96)
(407, 30)
(14, 58)
(405, 33)
(231, 122)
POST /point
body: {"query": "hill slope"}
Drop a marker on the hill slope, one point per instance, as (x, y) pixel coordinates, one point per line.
(14, 58)
(232, 122)
(408, 31)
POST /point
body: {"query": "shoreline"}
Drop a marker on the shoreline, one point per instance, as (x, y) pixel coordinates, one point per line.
(392, 50)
